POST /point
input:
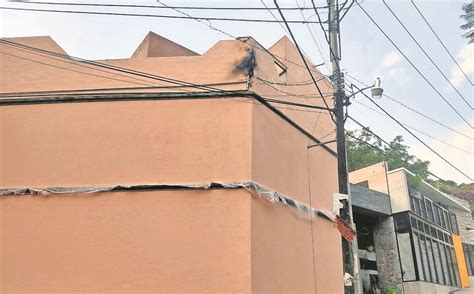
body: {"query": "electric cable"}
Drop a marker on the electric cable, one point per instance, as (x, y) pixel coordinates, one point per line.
(414, 110)
(156, 77)
(214, 28)
(295, 84)
(313, 37)
(413, 65)
(301, 55)
(417, 130)
(158, 7)
(108, 66)
(305, 96)
(275, 18)
(441, 42)
(416, 137)
(148, 15)
(347, 10)
(69, 69)
(427, 55)
(384, 141)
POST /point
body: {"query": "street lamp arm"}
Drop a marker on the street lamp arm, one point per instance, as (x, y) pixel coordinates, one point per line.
(359, 90)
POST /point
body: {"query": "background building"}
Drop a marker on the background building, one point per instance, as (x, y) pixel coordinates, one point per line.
(116, 181)
(419, 244)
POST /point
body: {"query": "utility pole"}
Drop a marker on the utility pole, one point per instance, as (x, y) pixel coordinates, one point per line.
(340, 102)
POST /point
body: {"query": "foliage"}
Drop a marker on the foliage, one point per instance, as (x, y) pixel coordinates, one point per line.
(389, 290)
(468, 17)
(360, 155)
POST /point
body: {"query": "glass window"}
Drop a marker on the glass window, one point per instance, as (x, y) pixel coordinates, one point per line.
(471, 257)
(454, 224)
(419, 263)
(455, 267)
(417, 206)
(427, 229)
(433, 232)
(431, 262)
(406, 257)
(414, 222)
(438, 266)
(446, 238)
(424, 258)
(446, 219)
(466, 248)
(420, 226)
(444, 262)
(429, 210)
(423, 208)
(402, 223)
(441, 218)
(440, 235)
(435, 214)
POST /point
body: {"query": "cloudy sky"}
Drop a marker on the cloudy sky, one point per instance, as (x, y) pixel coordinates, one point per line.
(366, 54)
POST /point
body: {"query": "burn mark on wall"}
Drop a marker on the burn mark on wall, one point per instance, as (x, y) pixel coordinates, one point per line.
(247, 64)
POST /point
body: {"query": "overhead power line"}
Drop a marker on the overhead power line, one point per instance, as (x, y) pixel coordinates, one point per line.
(301, 55)
(441, 42)
(160, 7)
(111, 67)
(416, 137)
(151, 15)
(272, 14)
(380, 149)
(214, 28)
(69, 69)
(331, 53)
(417, 130)
(156, 77)
(413, 65)
(313, 37)
(414, 110)
(427, 55)
(275, 18)
(211, 92)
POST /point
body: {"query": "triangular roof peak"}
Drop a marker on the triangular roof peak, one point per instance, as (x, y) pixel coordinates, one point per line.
(154, 45)
(41, 42)
(283, 41)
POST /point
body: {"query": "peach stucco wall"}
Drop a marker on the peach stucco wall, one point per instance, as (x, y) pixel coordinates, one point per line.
(126, 242)
(184, 141)
(280, 240)
(168, 241)
(136, 142)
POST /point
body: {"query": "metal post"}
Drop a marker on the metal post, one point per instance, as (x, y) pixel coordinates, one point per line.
(340, 101)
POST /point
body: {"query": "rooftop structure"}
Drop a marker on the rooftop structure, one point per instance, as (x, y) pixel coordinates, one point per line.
(166, 172)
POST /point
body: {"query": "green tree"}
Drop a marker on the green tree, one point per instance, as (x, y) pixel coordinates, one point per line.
(468, 17)
(360, 154)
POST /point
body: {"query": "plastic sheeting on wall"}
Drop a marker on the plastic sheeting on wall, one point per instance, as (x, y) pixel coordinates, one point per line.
(300, 209)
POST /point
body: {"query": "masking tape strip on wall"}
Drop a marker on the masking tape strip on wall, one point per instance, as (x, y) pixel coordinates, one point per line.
(259, 191)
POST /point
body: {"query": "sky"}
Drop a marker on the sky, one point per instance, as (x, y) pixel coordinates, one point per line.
(366, 54)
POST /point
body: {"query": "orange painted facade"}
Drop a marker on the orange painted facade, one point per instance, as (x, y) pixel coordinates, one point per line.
(461, 261)
(203, 241)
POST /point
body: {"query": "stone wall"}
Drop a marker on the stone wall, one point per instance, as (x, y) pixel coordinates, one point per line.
(464, 219)
(388, 260)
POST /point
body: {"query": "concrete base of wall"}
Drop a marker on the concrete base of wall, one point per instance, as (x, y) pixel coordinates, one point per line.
(423, 287)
